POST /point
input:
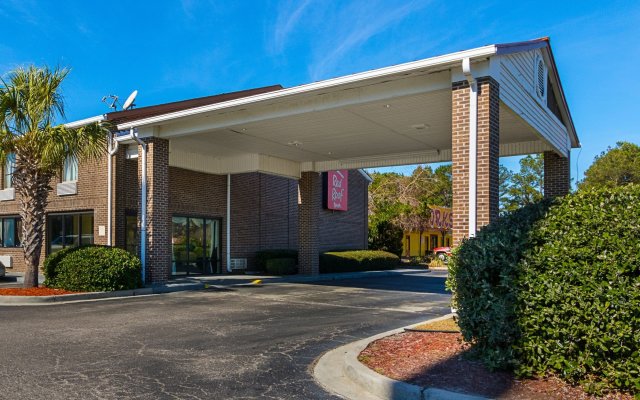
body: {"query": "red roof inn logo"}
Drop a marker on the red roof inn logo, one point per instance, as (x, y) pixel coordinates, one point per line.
(336, 191)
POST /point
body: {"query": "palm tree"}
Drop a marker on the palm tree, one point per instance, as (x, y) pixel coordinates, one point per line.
(30, 104)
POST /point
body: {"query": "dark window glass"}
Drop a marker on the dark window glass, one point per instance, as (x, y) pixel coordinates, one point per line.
(69, 230)
(195, 246)
(132, 237)
(10, 231)
(434, 242)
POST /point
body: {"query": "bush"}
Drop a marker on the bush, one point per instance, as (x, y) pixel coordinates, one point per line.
(357, 260)
(385, 236)
(437, 263)
(579, 303)
(93, 269)
(263, 256)
(557, 289)
(483, 272)
(281, 266)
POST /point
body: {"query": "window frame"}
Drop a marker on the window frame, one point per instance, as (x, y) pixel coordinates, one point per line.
(17, 225)
(49, 233)
(9, 165)
(189, 217)
(70, 160)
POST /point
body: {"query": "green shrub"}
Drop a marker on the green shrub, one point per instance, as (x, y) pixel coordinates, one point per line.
(357, 260)
(557, 290)
(281, 266)
(437, 263)
(579, 303)
(263, 256)
(386, 236)
(93, 269)
(483, 271)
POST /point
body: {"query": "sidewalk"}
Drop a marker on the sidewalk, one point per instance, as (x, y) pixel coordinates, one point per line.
(191, 283)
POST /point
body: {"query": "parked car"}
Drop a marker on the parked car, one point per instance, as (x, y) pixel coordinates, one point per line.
(443, 253)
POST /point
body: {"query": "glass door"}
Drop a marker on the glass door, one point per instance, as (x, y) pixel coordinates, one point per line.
(195, 246)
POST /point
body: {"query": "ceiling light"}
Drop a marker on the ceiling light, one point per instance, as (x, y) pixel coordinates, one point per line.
(420, 126)
(294, 143)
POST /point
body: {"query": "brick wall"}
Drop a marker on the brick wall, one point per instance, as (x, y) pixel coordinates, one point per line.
(308, 224)
(158, 253)
(264, 208)
(487, 155)
(557, 176)
(347, 229)
(91, 196)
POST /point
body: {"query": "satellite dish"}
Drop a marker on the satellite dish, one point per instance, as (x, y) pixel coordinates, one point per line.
(129, 102)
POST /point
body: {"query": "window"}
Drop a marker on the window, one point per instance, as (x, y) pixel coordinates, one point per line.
(10, 231)
(195, 246)
(132, 233)
(9, 167)
(70, 169)
(434, 242)
(69, 230)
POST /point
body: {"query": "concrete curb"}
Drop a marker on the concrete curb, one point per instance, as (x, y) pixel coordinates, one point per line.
(356, 381)
(195, 284)
(72, 298)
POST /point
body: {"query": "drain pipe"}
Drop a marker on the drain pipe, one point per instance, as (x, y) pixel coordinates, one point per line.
(228, 223)
(473, 145)
(143, 205)
(112, 148)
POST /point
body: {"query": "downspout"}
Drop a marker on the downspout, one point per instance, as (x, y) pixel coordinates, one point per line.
(473, 145)
(112, 148)
(143, 205)
(228, 235)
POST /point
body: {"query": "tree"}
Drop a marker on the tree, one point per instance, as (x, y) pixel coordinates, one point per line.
(400, 203)
(30, 103)
(616, 166)
(526, 186)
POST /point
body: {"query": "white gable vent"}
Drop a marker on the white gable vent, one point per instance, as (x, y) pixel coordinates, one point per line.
(540, 79)
(238, 264)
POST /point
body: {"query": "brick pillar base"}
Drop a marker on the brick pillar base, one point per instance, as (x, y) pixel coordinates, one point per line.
(557, 176)
(158, 246)
(308, 215)
(488, 155)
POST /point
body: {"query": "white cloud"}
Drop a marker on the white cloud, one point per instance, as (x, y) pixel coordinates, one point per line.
(287, 20)
(353, 27)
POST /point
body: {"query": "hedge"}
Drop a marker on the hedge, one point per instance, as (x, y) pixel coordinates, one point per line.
(93, 269)
(357, 260)
(281, 266)
(579, 306)
(263, 256)
(555, 289)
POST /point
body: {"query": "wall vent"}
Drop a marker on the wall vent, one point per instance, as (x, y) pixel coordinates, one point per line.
(540, 79)
(238, 264)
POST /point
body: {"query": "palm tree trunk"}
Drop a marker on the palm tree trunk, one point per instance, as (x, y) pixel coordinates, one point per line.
(33, 188)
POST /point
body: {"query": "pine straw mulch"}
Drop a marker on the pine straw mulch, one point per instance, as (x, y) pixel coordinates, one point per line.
(37, 291)
(436, 359)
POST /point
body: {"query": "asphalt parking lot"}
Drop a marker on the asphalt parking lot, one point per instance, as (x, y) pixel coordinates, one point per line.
(245, 342)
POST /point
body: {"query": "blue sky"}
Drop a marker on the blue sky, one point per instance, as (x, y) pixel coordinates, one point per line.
(173, 50)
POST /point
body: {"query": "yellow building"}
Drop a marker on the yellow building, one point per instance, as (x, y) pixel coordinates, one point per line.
(415, 244)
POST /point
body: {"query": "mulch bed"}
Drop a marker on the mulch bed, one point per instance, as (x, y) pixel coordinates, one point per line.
(38, 291)
(436, 359)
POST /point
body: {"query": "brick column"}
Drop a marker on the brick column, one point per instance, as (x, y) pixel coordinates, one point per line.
(308, 215)
(488, 153)
(158, 246)
(557, 176)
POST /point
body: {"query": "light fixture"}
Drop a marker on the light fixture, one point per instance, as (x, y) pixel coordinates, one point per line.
(420, 127)
(294, 143)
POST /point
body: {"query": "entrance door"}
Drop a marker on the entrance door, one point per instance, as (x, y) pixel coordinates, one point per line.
(195, 244)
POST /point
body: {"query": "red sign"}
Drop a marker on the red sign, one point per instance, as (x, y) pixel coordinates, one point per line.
(338, 190)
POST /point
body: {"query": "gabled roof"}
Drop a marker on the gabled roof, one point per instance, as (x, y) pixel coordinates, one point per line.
(164, 113)
(120, 117)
